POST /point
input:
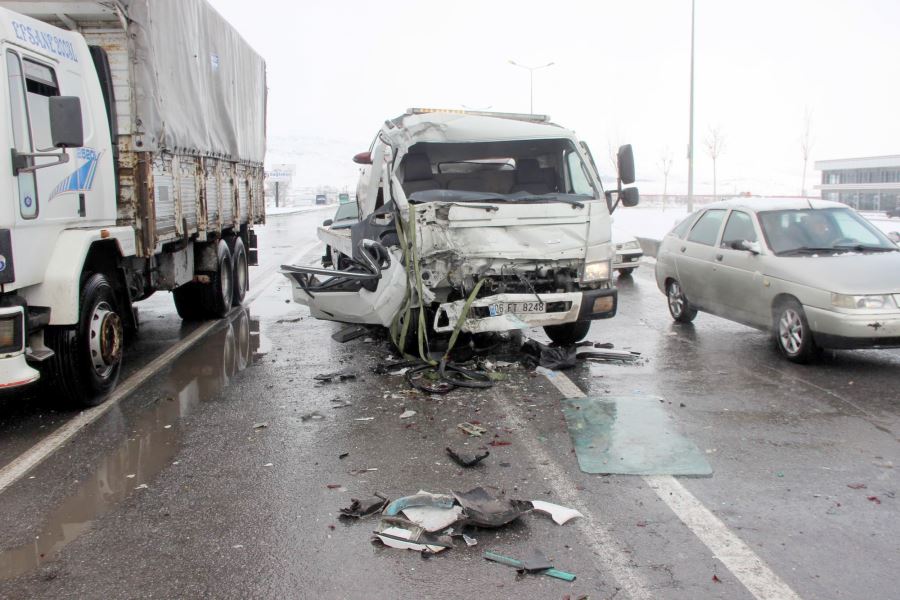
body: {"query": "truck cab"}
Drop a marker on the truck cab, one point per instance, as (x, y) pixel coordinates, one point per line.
(477, 221)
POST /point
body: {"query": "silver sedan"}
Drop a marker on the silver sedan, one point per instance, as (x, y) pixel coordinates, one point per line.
(814, 273)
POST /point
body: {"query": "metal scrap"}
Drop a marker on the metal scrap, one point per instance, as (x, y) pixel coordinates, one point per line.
(466, 460)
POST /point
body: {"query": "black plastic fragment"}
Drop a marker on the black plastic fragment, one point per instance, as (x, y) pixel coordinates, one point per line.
(535, 562)
(349, 333)
(359, 508)
(466, 460)
(480, 508)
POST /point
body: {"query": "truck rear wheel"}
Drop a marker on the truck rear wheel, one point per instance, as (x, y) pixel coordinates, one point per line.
(568, 333)
(88, 357)
(241, 274)
(218, 294)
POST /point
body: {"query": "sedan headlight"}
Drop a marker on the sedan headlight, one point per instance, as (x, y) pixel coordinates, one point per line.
(870, 301)
(596, 271)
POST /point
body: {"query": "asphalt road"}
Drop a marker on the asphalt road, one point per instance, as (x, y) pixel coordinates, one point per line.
(177, 491)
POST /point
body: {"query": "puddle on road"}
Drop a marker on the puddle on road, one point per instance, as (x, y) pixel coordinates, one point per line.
(153, 439)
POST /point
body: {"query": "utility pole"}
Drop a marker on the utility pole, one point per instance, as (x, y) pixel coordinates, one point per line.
(276, 194)
(531, 71)
(690, 198)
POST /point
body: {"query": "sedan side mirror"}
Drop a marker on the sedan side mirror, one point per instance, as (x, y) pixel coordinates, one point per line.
(746, 245)
(327, 222)
(66, 126)
(363, 158)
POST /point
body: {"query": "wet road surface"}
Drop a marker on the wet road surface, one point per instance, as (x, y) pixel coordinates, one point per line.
(178, 491)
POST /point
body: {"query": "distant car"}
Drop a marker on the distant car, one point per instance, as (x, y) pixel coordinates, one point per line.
(894, 236)
(321, 199)
(893, 212)
(628, 253)
(815, 273)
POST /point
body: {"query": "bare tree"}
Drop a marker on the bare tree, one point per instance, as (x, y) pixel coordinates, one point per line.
(665, 166)
(715, 146)
(806, 144)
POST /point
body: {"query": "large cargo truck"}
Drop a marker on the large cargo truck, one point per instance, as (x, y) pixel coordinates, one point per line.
(136, 136)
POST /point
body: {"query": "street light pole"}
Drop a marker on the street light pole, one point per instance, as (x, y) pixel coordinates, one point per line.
(690, 198)
(531, 71)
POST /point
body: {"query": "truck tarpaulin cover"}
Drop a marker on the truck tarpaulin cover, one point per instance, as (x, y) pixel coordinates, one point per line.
(198, 85)
(199, 88)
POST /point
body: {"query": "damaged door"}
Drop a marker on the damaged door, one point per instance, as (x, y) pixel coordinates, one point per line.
(370, 291)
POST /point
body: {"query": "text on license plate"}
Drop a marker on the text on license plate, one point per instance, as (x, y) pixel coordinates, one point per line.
(503, 308)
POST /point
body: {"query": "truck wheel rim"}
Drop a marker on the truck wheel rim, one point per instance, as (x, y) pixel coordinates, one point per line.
(225, 280)
(676, 299)
(790, 331)
(105, 339)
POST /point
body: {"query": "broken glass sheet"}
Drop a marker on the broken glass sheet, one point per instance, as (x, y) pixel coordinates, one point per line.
(630, 435)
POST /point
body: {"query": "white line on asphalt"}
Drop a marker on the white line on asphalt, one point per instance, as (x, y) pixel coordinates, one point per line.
(32, 457)
(743, 563)
(615, 560)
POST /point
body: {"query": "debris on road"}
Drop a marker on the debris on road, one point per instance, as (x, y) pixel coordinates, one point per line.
(364, 419)
(336, 376)
(560, 514)
(260, 425)
(610, 356)
(874, 499)
(470, 541)
(856, 486)
(472, 429)
(482, 509)
(313, 416)
(520, 565)
(349, 333)
(359, 509)
(433, 518)
(343, 455)
(497, 443)
(629, 435)
(421, 498)
(407, 414)
(557, 358)
(399, 533)
(465, 459)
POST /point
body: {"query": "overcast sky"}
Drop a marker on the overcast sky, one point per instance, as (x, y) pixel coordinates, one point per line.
(336, 70)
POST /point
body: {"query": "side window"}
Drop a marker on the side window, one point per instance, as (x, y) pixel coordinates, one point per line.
(578, 180)
(40, 85)
(28, 203)
(683, 227)
(739, 227)
(706, 230)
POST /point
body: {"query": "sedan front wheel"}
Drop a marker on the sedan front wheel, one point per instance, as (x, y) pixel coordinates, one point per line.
(792, 334)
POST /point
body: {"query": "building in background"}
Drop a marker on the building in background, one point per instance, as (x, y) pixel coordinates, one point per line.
(864, 183)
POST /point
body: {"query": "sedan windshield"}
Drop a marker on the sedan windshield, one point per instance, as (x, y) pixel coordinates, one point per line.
(821, 231)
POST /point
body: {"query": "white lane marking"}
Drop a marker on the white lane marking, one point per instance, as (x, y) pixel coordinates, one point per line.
(737, 556)
(615, 561)
(15, 469)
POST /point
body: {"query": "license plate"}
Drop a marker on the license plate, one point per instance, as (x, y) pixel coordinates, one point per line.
(518, 308)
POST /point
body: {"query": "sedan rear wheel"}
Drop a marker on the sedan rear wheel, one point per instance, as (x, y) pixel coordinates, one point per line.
(792, 334)
(679, 307)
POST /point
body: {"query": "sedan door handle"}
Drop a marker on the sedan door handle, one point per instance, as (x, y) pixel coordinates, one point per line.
(719, 257)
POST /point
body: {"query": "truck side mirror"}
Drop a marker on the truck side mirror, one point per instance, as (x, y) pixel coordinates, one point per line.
(625, 159)
(630, 197)
(66, 126)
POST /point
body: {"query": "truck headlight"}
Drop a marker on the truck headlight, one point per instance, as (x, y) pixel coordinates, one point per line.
(870, 301)
(596, 271)
(632, 245)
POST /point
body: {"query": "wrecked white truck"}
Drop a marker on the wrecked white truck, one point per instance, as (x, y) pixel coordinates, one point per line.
(472, 222)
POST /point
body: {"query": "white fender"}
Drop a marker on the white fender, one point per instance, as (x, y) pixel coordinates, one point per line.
(60, 288)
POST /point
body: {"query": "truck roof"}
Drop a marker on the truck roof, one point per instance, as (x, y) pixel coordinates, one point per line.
(455, 127)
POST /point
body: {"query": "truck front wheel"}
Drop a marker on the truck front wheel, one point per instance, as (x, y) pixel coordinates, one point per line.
(241, 277)
(88, 356)
(568, 333)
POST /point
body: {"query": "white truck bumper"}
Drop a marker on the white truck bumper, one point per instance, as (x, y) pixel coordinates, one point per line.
(14, 370)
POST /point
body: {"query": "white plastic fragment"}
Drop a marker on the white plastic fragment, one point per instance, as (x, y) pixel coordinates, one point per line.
(470, 541)
(407, 414)
(432, 518)
(364, 419)
(558, 513)
(399, 532)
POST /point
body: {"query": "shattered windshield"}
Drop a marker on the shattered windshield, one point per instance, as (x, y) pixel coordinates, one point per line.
(542, 170)
(827, 230)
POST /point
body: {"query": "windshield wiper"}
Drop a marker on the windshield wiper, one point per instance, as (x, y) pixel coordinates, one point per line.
(808, 250)
(545, 197)
(867, 248)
